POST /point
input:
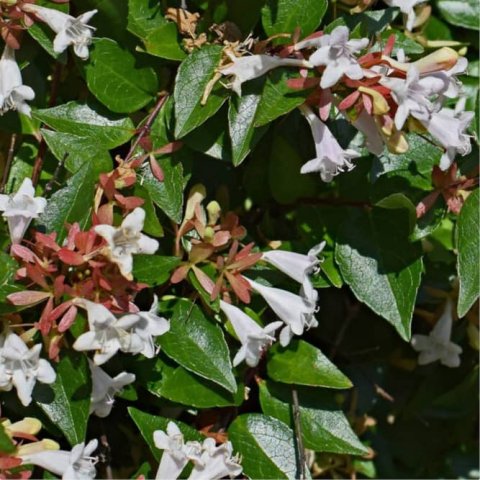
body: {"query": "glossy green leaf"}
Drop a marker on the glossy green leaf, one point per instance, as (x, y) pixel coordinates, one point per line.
(153, 269)
(284, 16)
(468, 260)
(168, 194)
(181, 386)
(148, 424)
(152, 225)
(462, 13)
(303, 364)
(67, 401)
(115, 79)
(277, 97)
(192, 78)
(241, 116)
(267, 447)
(144, 17)
(76, 151)
(198, 345)
(164, 42)
(375, 246)
(108, 129)
(325, 427)
(72, 203)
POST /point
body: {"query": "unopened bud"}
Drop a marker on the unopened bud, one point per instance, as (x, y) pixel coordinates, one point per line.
(443, 59)
(213, 209)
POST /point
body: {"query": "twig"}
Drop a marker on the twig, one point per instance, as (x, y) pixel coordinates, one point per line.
(42, 148)
(106, 455)
(61, 163)
(298, 435)
(146, 127)
(352, 311)
(8, 164)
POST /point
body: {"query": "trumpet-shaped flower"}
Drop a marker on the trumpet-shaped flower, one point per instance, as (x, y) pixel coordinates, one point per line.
(253, 337)
(79, 464)
(297, 266)
(20, 208)
(176, 453)
(148, 326)
(13, 93)
(216, 462)
(254, 66)
(127, 239)
(337, 53)
(408, 8)
(21, 367)
(437, 344)
(331, 158)
(69, 30)
(107, 334)
(413, 94)
(448, 127)
(297, 312)
(104, 389)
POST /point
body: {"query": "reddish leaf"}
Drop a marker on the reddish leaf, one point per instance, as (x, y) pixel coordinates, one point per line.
(28, 297)
(205, 281)
(156, 169)
(180, 273)
(70, 258)
(68, 319)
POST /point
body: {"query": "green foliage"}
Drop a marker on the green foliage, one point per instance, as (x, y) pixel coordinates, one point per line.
(67, 401)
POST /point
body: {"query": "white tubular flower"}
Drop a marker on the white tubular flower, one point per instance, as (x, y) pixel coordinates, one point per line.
(107, 334)
(104, 389)
(297, 266)
(69, 30)
(336, 52)
(331, 157)
(75, 465)
(437, 345)
(13, 93)
(148, 326)
(21, 367)
(365, 123)
(127, 239)
(408, 8)
(20, 208)
(297, 312)
(448, 127)
(216, 462)
(413, 94)
(176, 454)
(253, 337)
(254, 66)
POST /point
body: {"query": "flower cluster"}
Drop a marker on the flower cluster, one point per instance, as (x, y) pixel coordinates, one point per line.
(27, 450)
(209, 461)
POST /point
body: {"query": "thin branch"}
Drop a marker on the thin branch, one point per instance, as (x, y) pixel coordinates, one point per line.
(298, 435)
(145, 129)
(53, 180)
(8, 164)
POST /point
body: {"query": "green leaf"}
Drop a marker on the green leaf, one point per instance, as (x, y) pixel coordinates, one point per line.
(375, 246)
(409, 46)
(468, 260)
(198, 345)
(192, 78)
(168, 195)
(324, 426)
(80, 150)
(67, 401)
(152, 225)
(303, 364)
(144, 17)
(371, 22)
(6, 444)
(267, 447)
(181, 386)
(113, 77)
(147, 424)
(153, 269)
(108, 129)
(241, 116)
(277, 97)
(72, 203)
(164, 42)
(462, 13)
(284, 16)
